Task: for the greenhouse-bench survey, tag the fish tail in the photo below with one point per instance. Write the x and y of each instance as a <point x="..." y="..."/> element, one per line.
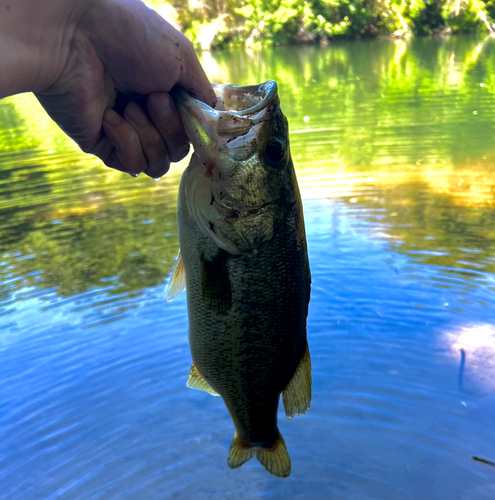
<point x="239" y="454"/>
<point x="275" y="459"/>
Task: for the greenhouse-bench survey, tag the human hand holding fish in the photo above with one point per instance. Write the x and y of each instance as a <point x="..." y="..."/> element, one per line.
<point x="88" y="60"/>
<point x="243" y="261"/>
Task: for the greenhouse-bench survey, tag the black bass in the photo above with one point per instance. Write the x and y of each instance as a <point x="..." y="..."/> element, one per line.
<point x="243" y="260"/>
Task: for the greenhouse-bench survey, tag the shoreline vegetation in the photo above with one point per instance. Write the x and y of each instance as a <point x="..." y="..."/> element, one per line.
<point x="400" y="132"/>
<point x="217" y="24"/>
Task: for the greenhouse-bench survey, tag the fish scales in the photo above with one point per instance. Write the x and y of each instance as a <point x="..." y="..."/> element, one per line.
<point x="247" y="277"/>
<point x="261" y="333"/>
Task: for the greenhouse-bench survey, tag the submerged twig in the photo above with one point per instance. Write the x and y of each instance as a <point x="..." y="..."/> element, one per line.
<point x="484" y="460"/>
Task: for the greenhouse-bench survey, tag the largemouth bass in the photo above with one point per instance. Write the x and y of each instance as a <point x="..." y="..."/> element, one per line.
<point x="243" y="260"/>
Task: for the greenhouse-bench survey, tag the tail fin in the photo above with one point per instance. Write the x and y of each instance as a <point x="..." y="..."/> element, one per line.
<point x="239" y="454"/>
<point x="275" y="460"/>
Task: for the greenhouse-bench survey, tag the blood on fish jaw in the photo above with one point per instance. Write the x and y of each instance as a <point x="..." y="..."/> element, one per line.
<point x="209" y="168"/>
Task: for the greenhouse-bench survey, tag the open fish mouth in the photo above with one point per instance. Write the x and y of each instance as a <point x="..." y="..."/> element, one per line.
<point x="247" y="100"/>
<point x="232" y="177"/>
<point x="233" y="126"/>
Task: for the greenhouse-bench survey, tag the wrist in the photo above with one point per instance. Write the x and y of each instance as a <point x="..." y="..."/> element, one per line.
<point x="34" y="42"/>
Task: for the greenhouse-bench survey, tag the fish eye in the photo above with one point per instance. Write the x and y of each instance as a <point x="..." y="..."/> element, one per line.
<point x="274" y="152"/>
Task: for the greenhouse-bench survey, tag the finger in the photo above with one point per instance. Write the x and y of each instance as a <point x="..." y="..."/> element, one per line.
<point x="167" y="120"/>
<point x="152" y="143"/>
<point x="193" y="77"/>
<point x="106" y="152"/>
<point x="125" y="141"/>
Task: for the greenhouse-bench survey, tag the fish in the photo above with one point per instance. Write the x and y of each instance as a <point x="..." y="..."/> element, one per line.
<point x="243" y="261"/>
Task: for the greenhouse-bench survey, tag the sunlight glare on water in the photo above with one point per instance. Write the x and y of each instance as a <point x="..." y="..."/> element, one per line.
<point x="394" y="152"/>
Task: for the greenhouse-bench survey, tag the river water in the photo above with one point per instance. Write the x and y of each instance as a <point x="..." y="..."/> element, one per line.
<point x="394" y="147"/>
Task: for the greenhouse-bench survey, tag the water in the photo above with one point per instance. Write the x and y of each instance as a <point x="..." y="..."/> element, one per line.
<point x="394" y="148"/>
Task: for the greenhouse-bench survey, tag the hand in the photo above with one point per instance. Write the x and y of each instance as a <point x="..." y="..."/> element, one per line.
<point x="115" y="49"/>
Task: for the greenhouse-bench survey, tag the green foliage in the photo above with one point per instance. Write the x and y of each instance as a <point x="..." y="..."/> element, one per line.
<point x="13" y="137"/>
<point x="465" y="18"/>
<point x="426" y="17"/>
<point x="218" y="23"/>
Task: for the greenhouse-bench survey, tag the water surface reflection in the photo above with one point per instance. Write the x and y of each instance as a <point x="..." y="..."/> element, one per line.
<point x="393" y="143"/>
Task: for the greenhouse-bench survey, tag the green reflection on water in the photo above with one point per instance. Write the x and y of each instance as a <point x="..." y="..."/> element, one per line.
<point x="404" y="126"/>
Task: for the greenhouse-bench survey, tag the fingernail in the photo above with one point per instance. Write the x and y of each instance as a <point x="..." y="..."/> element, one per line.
<point x="110" y="117"/>
<point x="133" y="111"/>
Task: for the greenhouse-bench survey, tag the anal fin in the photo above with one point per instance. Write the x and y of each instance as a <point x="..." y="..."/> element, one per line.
<point x="297" y="395"/>
<point x="177" y="281"/>
<point x="196" y="381"/>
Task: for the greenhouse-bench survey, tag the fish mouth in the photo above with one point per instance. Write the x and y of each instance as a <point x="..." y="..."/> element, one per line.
<point x="247" y="100"/>
<point x="223" y="138"/>
<point x="233" y="126"/>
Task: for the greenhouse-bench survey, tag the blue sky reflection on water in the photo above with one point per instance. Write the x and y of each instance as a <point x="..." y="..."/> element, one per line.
<point x="93" y="402"/>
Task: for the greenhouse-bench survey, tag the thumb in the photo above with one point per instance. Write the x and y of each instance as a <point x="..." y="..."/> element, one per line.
<point x="193" y="77"/>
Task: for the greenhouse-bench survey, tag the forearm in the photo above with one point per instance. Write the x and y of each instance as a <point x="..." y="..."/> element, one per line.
<point x="33" y="42"/>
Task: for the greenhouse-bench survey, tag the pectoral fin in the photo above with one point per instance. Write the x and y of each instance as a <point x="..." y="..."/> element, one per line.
<point x="177" y="281"/>
<point x="215" y="284"/>
<point x="198" y="198"/>
<point x="196" y="381"/>
<point x="297" y="395"/>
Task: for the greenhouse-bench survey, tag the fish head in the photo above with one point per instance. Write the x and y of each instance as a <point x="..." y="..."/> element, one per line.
<point x="241" y="163"/>
<point x="242" y="144"/>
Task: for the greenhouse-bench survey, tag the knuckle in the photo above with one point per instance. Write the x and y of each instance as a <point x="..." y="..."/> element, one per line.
<point x="132" y="138"/>
<point x="187" y="46"/>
